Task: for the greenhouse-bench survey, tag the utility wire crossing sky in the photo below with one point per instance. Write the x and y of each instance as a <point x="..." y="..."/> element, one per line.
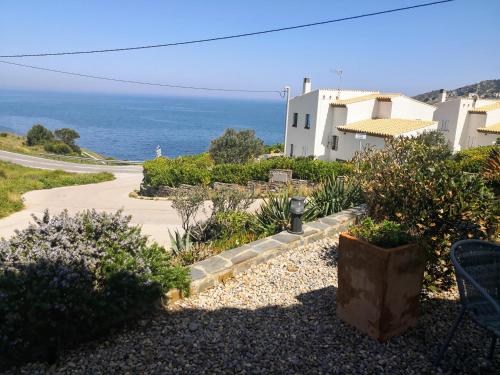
<point x="280" y="92"/>
<point x="231" y="36"/>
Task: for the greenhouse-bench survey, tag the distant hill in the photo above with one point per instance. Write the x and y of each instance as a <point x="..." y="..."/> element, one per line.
<point x="489" y="89"/>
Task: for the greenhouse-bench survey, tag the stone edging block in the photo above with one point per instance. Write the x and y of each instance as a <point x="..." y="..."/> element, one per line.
<point x="219" y="268"/>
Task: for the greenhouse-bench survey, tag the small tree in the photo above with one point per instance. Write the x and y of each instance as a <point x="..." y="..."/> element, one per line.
<point x="68" y="136"/>
<point x="38" y="135"/>
<point x="236" y="147"/>
<point x="189" y="202"/>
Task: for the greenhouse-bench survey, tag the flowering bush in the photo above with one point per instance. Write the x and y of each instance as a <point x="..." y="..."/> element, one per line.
<point x="66" y="279"/>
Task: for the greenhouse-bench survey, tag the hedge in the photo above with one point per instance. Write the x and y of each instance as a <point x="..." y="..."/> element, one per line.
<point x="473" y="160"/>
<point x="190" y="170"/>
<point x="201" y="171"/>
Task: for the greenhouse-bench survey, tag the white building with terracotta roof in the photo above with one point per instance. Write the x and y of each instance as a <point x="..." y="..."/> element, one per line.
<point x="332" y="124"/>
<point x="468" y="122"/>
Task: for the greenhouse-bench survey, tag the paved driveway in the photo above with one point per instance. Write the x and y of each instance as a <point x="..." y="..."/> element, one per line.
<point x="155" y="217"/>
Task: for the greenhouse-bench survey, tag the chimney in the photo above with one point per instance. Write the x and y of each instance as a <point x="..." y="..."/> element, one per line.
<point x="442" y="95"/>
<point x="307" y="86"/>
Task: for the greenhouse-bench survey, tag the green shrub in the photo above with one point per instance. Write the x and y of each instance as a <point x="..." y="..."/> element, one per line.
<point x="4" y="135"/>
<point x="57" y="147"/>
<point x="413" y="183"/>
<point x="386" y="234"/>
<point x="228" y="209"/>
<point x="199" y="170"/>
<point x="473" y="160"/>
<point x="231" y="173"/>
<point x="68" y="136"/>
<point x="68" y="279"/>
<point x="274" y="148"/>
<point x="38" y="135"/>
<point x="333" y="195"/>
<point x="236" y="147"/>
<point x="234" y="222"/>
<point x="174" y="172"/>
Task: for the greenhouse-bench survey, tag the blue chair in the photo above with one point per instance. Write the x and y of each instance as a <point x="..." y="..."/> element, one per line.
<point x="477" y="269"/>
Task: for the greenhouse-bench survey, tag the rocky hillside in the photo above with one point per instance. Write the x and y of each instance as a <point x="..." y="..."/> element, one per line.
<point x="485" y="89"/>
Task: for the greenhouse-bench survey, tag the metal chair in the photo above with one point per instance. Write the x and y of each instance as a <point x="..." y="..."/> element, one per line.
<point x="477" y="269"/>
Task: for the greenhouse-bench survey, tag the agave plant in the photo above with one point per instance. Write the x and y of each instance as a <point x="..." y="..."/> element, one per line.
<point x="334" y="195"/>
<point x="274" y="214"/>
<point x="179" y="243"/>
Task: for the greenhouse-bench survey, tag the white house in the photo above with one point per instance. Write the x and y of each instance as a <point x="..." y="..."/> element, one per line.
<point x="468" y="122"/>
<point x="332" y="124"/>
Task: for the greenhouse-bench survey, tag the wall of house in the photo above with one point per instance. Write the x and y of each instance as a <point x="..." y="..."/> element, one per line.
<point x="360" y="111"/>
<point x="493" y="117"/>
<point x="315" y="141"/>
<point x="349" y="145"/>
<point x="303" y="139"/>
<point x="407" y="108"/>
<point x="460" y="127"/>
<point x="486" y="139"/>
<point x="469" y="137"/>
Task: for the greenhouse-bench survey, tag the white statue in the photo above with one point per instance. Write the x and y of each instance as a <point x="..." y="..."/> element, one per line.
<point x="158" y="151"/>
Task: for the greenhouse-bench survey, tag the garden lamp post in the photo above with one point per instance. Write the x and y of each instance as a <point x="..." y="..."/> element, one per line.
<point x="296" y="210"/>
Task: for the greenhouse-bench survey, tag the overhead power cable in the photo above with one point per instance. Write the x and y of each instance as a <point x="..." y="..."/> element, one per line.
<point x="141" y="82"/>
<point x="205" y="40"/>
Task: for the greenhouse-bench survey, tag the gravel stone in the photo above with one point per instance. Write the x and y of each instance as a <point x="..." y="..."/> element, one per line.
<point x="277" y="318"/>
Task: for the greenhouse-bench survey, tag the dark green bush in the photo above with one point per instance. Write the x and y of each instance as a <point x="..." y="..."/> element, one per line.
<point x="68" y="279"/>
<point x="68" y="136"/>
<point x="4" y="135"/>
<point x="57" y="147"/>
<point x="386" y="234"/>
<point x="174" y="172"/>
<point x="231" y="173"/>
<point x="236" y="147"/>
<point x="38" y="135"/>
<point x="416" y="185"/>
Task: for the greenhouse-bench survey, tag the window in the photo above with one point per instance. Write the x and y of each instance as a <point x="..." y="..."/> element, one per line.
<point x="335" y="142"/>
<point x="443" y="125"/>
<point x="308" y="121"/>
<point x="295" y="119"/>
<point x="291" y="149"/>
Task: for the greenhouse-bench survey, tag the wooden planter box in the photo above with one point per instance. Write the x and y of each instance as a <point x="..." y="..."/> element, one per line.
<point x="379" y="289"/>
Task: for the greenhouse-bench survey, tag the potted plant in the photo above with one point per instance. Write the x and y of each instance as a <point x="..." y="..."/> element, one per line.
<point x="380" y="273"/>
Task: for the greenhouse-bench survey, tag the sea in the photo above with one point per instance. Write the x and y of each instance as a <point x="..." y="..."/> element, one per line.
<point x="131" y="127"/>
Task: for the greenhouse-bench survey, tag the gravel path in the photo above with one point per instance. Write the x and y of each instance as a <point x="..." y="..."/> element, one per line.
<point x="278" y="317"/>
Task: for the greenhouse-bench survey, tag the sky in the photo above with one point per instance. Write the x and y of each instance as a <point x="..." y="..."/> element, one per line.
<point x="443" y="46"/>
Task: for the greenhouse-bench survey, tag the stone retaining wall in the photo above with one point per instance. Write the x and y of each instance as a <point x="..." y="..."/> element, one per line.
<point x="216" y="269"/>
<point x="261" y="187"/>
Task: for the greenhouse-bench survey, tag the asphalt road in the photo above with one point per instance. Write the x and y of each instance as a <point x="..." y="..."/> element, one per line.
<point x="155" y="217"/>
<point x="41" y="163"/>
